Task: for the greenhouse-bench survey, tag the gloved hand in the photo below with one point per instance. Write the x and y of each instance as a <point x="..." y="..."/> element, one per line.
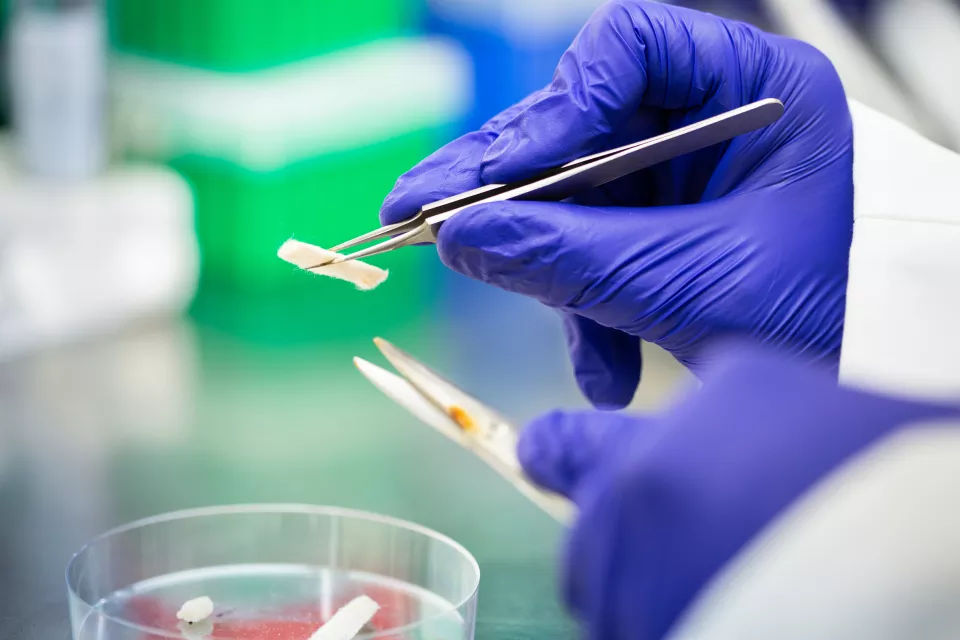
<point x="745" y="238"/>
<point x="665" y="502"/>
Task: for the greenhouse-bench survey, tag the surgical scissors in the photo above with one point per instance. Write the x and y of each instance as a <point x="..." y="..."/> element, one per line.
<point x="460" y="417"/>
<point x="571" y="178"/>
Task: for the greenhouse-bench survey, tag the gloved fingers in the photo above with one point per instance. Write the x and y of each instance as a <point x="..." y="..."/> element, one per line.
<point x="451" y="170"/>
<point x="665" y="512"/>
<point x="592" y="579"/>
<point x="631" y="55"/>
<point x="607" y="362"/>
<point x="530" y="248"/>
<point x="586" y="259"/>
<point x="559" y="450"/>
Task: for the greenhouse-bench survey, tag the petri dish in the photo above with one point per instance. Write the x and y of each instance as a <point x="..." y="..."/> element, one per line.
<point x="274" y="572"/>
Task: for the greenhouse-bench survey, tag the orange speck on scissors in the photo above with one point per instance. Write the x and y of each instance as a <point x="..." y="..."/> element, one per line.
<point x="462" y="418"/>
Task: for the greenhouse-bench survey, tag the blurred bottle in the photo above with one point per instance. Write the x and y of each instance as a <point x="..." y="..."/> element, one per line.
<point x="57" y="79"/>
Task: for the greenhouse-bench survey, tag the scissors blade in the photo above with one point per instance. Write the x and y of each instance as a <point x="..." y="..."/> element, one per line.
<point x="471" y="414"/>
<point x="410" y="398"/>
<point x="482" y="430"/>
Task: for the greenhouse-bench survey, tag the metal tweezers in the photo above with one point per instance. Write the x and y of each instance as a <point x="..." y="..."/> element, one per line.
<point x="572" y="178"/>
<point x="462" y="418"/>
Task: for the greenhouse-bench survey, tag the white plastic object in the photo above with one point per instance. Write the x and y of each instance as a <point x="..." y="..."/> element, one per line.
<point x="58" y="77"/>
<point x="85" y="259"/>
<point x="349" y="620"/>
<point x="267" y="120"/>
<point x="196" y="610"/>
<point x="307" y="256"/>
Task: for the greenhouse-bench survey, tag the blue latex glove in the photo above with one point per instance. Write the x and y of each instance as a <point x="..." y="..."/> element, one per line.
<point x="665" y="502"/>
<point x="745" y="238"/>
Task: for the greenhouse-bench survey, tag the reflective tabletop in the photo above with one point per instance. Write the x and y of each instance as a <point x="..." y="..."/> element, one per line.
<point x="169" y="416"/>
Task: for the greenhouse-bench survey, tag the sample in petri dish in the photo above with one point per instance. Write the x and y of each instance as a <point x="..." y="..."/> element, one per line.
<point x="273" y="572"/>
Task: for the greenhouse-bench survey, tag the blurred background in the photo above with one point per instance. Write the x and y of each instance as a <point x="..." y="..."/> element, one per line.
<point x="154" y="352"/>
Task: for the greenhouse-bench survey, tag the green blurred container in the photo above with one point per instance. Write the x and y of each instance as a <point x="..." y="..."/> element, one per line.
<point x="244" y="216"/>
<point x="306" y="151"/>
<point x="248" y="35"/>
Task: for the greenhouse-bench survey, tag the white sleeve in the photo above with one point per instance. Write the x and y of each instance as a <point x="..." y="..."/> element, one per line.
<point x="870" y="553"/>
<point x="902" y="329"/>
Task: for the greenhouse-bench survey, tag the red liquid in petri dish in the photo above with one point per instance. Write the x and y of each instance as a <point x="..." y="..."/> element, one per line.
<point x="296" y="622"/>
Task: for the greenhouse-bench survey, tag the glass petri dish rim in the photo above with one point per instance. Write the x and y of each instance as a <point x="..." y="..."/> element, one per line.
<point x="290" y="508"/>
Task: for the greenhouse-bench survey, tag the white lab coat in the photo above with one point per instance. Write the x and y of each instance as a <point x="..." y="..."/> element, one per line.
<point x="873" y="551"/>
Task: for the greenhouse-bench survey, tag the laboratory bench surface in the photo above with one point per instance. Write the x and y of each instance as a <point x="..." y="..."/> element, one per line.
<point x="168" y="417"/>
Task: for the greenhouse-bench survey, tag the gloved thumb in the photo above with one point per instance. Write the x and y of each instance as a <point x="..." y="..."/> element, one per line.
<point x="607" y="362"/>
<point x="584" y="259"/>
<point x="559" y="450"/>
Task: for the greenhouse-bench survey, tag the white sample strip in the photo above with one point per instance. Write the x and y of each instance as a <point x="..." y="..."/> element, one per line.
<point x="307" y="256"/>
<point x="348" y="621"/>
<point x="195" y="610"/>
